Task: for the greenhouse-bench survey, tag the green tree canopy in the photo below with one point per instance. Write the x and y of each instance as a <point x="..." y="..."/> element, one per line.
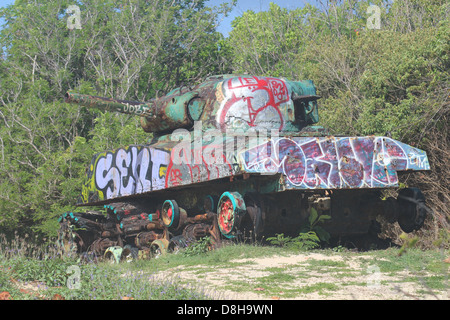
<point x="134" y="49"/>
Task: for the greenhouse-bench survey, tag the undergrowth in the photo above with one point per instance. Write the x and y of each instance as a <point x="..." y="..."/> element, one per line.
<point x="40" y="273"/>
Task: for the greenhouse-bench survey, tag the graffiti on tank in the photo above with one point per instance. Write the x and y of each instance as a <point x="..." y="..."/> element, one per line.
<point x="305" y="162"/>
<point x="329" y="162"/>
<point x="131" y="170"/>
<point x="253" y="102"/>
<point x="211" y="166"/>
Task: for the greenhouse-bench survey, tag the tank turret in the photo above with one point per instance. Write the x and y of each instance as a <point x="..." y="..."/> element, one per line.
<point x="225" y="102"/>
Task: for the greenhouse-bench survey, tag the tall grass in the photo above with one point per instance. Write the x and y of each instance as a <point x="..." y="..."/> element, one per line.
<point x="29" y="271"/>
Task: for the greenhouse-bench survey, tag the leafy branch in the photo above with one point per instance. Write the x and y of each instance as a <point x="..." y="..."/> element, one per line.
<point x="310" y="236"/>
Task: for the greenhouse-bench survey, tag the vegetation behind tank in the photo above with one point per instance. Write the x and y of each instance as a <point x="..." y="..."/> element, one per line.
<point x="371" y="82"/>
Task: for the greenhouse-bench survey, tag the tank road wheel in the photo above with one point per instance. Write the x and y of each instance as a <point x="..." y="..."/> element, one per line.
<point x="159" y="247"/>
<point x="170" y="213"/>
<point x="230" y="209"/>
<point x="129" y="254"/>
<point x="176" y="244"/>
<point x="412" y="209"/>
<point x="210" y="203"/>
<point x="113" y="254"/>
<point x="253" y="222"/>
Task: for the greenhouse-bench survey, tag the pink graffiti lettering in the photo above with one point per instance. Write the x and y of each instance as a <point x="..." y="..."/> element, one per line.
<point x="330" y="162"/>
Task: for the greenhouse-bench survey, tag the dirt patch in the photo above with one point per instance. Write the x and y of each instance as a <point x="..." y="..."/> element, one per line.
<point x="305" y="276"/>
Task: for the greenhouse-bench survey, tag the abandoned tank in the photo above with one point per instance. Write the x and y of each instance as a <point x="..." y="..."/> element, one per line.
<point x="236" y="156"/>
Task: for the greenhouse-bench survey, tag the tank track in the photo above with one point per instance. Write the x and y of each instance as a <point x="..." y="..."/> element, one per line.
<point x="123" y="231"/>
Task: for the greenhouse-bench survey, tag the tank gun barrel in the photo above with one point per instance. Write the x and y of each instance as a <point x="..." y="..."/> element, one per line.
<point x="158" y="115"/>
<point x="110" y="105"/>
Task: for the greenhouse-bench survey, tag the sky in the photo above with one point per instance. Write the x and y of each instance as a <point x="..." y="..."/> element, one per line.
<point x="241" y="7"/>
<point x="255" y="5"/>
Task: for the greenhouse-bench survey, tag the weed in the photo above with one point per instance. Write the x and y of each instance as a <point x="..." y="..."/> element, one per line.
<point x="309" y="237"/>
<point x="198" y="247"/>
<point x="22" y="263"/>
<point x="141" y="279"/>
<point x="320" y="287"/>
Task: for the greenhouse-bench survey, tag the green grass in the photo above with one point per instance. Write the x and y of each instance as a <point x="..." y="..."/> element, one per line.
<point x="276" y="277"/>
<point x="137" y="279"/>
<point x="108" y="281"/>
<point x="215" y="258"/>
<point x="97" y="282"/>
<point x="44" y="273"/>
<point x="322" y="288"/>
<point x="414" y="260"/>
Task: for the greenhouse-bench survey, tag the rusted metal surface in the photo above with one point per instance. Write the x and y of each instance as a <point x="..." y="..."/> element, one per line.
<point x="235" y="156"/>
<point x="226" y="110"/>
<point x="130" y="223"/>
<point x="305" y="163"/>
<point x="225" y="102"/>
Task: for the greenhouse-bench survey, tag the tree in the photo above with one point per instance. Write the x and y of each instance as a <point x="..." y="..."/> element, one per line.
<point x="372" y="81"/>
<point x="133" y="49"/>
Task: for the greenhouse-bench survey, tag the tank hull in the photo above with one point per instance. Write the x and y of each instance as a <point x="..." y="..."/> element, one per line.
<point x="236" y="157"/>
<point x="297" y="163"/>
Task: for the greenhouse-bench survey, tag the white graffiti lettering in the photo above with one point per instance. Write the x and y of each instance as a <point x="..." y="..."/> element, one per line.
<point x="132" y="170"/>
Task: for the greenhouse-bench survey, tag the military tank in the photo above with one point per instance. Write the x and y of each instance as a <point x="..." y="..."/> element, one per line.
<point x="235" y="157"/>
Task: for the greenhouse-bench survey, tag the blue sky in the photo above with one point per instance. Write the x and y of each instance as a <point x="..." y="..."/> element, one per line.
<point x="255" y="5"/>
<point x="242" y="6"/>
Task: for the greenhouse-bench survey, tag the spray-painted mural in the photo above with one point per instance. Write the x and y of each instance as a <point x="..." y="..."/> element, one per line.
<point x="306" y="163"/>
<point x="263" y="141"/>
<point x="205" y="163"/>
<point x="331" y="162"/>
<point x="126" y="171"/>
<point x="254" y="102"/>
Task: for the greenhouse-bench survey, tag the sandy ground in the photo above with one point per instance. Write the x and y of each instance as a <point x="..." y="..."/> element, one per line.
<point x="351" y="279"/>
<point x="310" y="276"/>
